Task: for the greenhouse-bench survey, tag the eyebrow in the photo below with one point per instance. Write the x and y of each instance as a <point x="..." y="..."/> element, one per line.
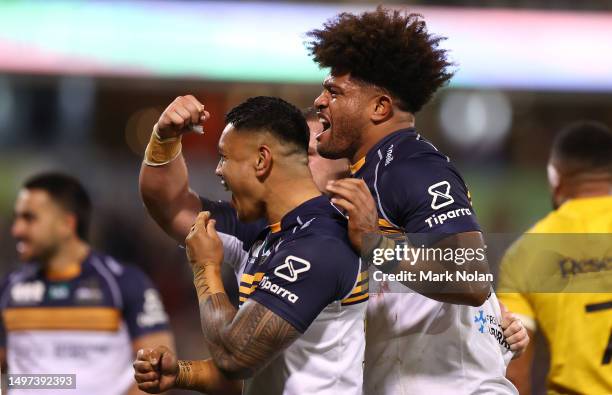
<point x="328" y="85"/>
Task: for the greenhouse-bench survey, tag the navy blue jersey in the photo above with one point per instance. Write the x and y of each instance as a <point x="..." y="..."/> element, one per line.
<point x="416" y="188"/>
<point x="298" y="267"/>
<point x="84" y="325"/>
<point x="103" y="296"/>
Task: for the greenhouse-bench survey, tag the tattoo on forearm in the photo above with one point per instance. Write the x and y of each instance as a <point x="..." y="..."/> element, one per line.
<point x="254" y="337"/>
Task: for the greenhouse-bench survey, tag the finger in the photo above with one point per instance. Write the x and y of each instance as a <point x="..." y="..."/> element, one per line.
<point x="154" y="356"/>
<point x="150" y="386"/>
<point x="143" y="366"/>
<point x="344" y="204"/>
<point x="519" y="346"/>
<point x="210" y="229"/>
<point x="355" y="182"/>
<point x="348" y="195"/>
<point x="202" y="220"/>
<point x="175" y="119"/>
<point x="143" y="354"/>
<point x="507" y="319"/>
<point x="143" y="377"/>
<point x="183" y="112"/>
<point x="514" y="327"/>
<point x="357" y="187"/>
<point x="191" y="99"/>
<point x="205" y="116"/>
<point x="514" y="339"/>
<point x="194" y="110"/>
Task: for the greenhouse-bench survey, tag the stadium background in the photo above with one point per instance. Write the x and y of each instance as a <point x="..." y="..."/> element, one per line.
<point x="81" y="84"/>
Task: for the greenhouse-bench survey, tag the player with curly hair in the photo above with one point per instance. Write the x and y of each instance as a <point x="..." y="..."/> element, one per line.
<point x="385" y="66"/>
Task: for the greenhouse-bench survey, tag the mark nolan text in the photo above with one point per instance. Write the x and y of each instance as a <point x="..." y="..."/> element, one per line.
<point x="429" y="275"/>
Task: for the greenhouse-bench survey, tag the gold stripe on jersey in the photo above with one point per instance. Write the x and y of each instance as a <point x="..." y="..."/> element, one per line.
<point x="360" y="291"/>
<point x="248" y="284"/>
<point x="354" y="168"/>
<point x="62" y="318"/>
<point x="387" y="227"/>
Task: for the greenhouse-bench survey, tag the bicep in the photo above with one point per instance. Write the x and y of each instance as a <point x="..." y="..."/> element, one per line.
<point x="184" y="216"/>
<point x="255" y="336"/>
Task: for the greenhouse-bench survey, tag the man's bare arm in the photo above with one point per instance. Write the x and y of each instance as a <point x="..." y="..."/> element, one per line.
<point x="164" y="181"/>
<point x="519" y="369"/>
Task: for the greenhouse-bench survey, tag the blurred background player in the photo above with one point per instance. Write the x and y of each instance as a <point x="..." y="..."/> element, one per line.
<point x="577" y="321"/>
<point x="385" y="66"/>
<point x="69" y="309"/>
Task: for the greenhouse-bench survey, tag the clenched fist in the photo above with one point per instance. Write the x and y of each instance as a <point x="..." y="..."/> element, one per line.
<point x="183" y="115"/>
<point x="203" y="243"/>
<point x="155" y="370"/>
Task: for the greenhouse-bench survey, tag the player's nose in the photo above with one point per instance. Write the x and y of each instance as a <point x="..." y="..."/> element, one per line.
<point x="18" y="229"/>
<point x="321" y="101"/>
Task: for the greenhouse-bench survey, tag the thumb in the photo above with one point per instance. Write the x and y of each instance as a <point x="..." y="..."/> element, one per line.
<point x="155" y="355"/>
<point x="210" y="229"/>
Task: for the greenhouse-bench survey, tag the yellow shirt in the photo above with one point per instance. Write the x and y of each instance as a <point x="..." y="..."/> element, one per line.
<point x="559" y="275"/>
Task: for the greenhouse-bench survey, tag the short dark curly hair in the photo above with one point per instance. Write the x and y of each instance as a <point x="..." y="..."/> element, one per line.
<point x="586" y="145"/>
<point x="69" y="193"/>
<point x="387" y="48"/>
<point x="284" y="120"/>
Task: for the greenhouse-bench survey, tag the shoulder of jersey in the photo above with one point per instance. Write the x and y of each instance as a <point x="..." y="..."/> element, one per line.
<point x="107" y="264"/>
<point x="406" y="148"/>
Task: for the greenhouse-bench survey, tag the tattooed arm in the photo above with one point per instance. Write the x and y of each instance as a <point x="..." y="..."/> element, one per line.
<point x="240" y="342"/>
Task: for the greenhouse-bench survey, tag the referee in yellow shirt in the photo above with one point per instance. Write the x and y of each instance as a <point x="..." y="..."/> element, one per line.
<point x="560" y="284"/>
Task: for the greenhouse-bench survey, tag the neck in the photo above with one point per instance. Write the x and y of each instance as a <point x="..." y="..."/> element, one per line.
<point x="69" y="255"/>
<point x="376" y="133"/>
<point x="288" y="192"/>
<point x="592" y="189"/>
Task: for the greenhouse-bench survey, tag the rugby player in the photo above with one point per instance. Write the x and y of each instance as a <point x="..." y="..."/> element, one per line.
<point x="300" y="324"/>
<point x="577" y="322"/>
<point x="385" y="67"/>
<point x="69" y="309"/>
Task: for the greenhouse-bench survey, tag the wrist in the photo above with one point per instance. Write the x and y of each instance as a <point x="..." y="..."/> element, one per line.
<point x="184" y="377"/>
<point x="162" y="150"/>
<point x="207" y="279"/>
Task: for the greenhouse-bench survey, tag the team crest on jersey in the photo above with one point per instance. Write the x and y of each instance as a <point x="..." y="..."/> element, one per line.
<point x="292" y="267"/>
<point x="440" y="193"/>
<point x="30" y="292"/>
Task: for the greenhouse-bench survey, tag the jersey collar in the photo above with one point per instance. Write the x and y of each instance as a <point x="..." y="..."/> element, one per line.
<point x="302" y="213"/>
<point x="372" y="154"/>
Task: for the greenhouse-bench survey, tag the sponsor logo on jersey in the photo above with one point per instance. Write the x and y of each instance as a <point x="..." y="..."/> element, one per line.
<point x="440" y="193"/>
<point x="488" y="324"/>
<point x="88" y="295"/>
<point x="292" y="267"/>
<point x="30" y="292"/>
<point x="266" y="284"/>
<point x="389" y="156"/>
<point x="59" y="291"/>
<point x="152" y="310"/>
<point x="439" y="219"/>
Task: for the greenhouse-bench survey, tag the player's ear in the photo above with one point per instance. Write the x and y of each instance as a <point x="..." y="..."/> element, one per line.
<point x="263" y="164"/>
<point x="382" y="108"/>
<point x="68" y="225"/>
